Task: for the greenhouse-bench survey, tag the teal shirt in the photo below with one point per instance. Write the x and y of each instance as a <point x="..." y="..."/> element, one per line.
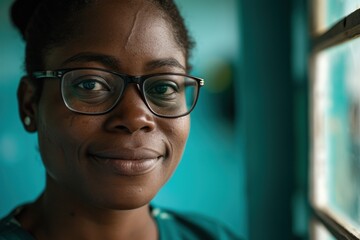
<point x="171" y="226"/>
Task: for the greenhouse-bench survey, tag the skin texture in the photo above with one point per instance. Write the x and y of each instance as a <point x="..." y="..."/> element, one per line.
<point x="85" y="198"/>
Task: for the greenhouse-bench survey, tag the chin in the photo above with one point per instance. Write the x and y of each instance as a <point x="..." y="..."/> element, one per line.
<point x="121" y="205"/>
<point x="128" y="200"/>
<point x="127" y="206"/>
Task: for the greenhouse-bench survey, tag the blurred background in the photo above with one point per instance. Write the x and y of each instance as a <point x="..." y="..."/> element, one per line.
<point x="246" y="157"/>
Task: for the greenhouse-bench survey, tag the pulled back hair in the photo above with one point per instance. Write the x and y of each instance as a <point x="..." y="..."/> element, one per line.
<point x="45" y="24"/>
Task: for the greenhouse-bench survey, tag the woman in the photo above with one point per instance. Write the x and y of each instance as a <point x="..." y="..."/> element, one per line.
<point x="108" y="93"/>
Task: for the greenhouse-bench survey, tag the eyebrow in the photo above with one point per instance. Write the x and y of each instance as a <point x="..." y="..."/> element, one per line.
<point x="165" y="62"/>
<point x="106" y="60"/>
<point x="114" y="63"/>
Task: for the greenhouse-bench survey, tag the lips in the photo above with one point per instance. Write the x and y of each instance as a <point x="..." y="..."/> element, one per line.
<point x="127" y="162"/>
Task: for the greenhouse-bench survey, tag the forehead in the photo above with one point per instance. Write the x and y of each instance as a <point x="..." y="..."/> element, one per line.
<point x="135" y="29"/>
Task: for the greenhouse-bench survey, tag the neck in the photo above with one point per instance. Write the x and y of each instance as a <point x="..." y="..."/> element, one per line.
<point x="58" y="214"/>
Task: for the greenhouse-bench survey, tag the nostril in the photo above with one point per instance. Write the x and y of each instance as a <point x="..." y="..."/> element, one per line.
<point x="130" y="129"/>
<point x="123" y="128"/>
<point x="129" y="122"/>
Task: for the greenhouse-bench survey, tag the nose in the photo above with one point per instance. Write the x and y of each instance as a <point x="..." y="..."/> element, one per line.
<point x="130" y="114"/>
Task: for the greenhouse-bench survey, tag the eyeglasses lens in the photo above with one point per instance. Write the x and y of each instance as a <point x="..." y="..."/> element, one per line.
<point x="170" y="95"/>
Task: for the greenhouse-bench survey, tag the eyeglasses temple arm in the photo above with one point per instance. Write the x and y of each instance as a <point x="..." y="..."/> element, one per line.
<point x="46" y="74"/>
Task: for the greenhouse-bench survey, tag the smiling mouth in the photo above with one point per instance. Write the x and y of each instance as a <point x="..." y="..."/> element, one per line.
<point x="127" y="167"/>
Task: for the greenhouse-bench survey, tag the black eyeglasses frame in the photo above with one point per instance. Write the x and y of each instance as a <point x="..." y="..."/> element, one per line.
<point x="138" y="80"/>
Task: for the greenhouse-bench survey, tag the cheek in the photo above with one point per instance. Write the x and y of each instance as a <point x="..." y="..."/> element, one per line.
<point x="56" y="147"/>
<point x="62" y="146"/>
<point x="184" y="129"/>
<point x="178" y="133"/>
<point x="60" y="133"/>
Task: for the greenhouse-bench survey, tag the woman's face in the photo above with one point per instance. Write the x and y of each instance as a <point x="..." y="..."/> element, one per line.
<point x="117" y="160"/>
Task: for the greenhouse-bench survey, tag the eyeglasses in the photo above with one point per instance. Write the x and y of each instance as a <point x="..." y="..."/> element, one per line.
<point x="97" y="91"/>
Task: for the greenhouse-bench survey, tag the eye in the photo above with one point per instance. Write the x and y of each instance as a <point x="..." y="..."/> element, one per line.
<point x="162" y="88"/>
<point x="92" y="83"/>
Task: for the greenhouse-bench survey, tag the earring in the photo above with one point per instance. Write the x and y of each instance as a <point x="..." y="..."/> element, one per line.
<point x="27" y="121"/>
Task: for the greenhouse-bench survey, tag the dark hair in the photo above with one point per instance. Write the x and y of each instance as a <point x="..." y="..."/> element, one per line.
<point x="48" y="23"/>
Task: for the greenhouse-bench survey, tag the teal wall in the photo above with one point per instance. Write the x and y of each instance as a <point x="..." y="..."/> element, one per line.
<point x="267" y="110"/>
<point x="211" y="177"/>
<point x="273" y="109"/>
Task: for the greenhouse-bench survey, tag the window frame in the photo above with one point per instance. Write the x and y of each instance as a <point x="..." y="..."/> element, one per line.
<point x="345" y="30"/>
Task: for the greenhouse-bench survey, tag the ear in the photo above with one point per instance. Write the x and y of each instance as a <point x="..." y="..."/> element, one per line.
<point x="27" y="102"/>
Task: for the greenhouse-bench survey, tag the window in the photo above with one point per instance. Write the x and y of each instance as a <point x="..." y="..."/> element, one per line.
<point x="329" y="12"/>
<point x="335" y="110"/>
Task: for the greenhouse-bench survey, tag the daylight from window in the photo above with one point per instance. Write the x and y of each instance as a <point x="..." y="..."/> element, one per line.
<point x="338" y="123"/>
<point x="332" y="11"/>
